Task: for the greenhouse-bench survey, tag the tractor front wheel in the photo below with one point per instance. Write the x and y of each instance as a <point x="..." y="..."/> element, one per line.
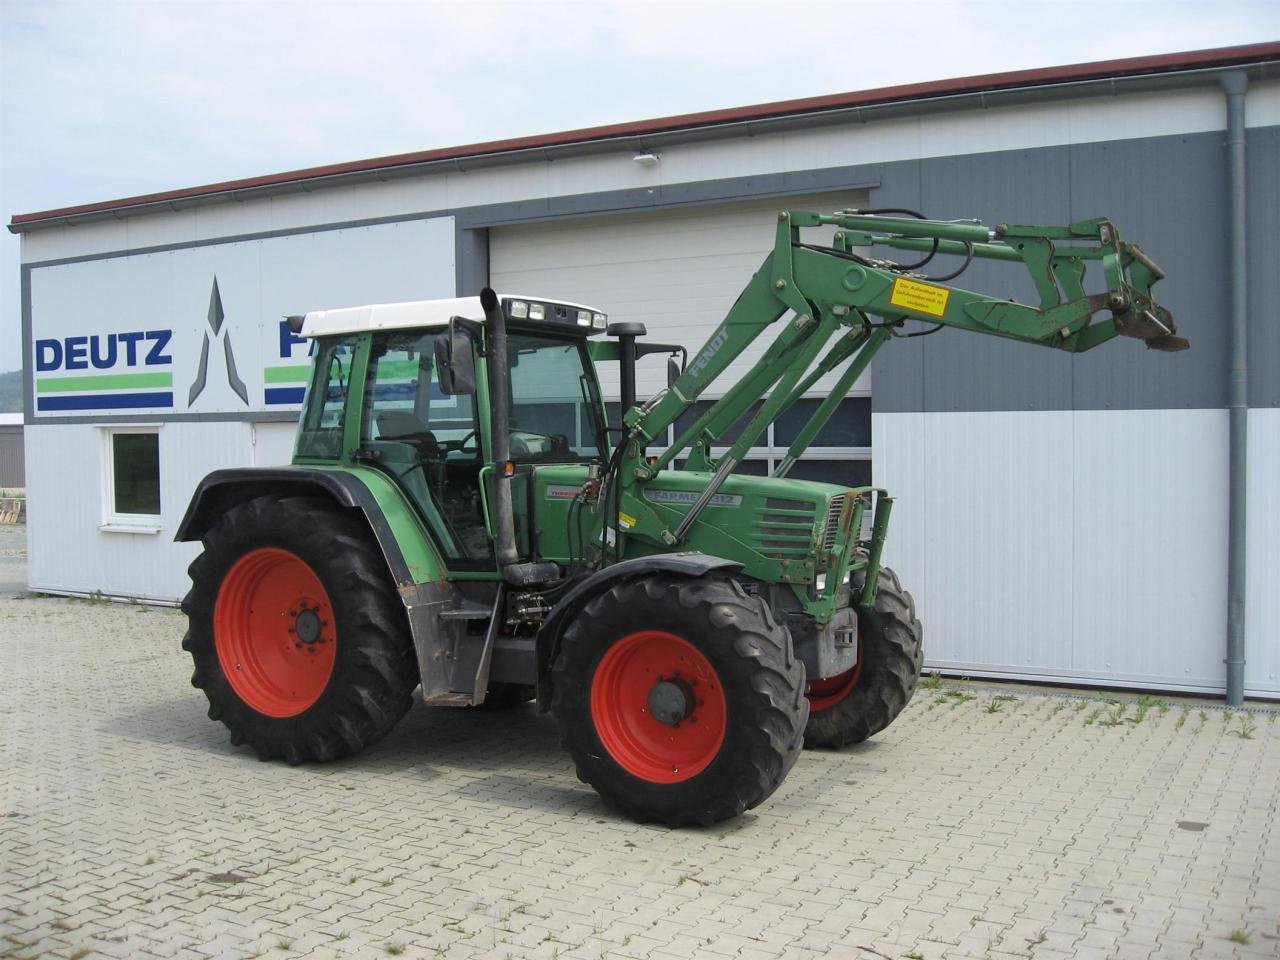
<point x="299" y="641"/>
<point x="679" y="699"/>
<point x="851" y="707"/>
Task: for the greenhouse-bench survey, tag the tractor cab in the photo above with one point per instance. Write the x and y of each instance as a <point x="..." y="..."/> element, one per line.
<point x="403" y="388"/>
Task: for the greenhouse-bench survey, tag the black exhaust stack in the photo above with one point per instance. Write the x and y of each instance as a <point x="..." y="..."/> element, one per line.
<point x="504" y="520"/>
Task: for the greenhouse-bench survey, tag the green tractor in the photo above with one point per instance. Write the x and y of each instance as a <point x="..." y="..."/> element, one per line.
<point x="461" y="517"/>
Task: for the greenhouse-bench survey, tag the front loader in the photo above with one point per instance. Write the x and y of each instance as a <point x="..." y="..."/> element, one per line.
<point x="459" y="516"/>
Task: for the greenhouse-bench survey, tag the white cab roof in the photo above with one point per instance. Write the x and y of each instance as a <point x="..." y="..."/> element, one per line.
<point x="412" y="314"/>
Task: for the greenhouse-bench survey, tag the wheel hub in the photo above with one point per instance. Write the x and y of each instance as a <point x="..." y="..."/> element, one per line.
<point x="671" y="701"/>
<point x="307" y="625"/>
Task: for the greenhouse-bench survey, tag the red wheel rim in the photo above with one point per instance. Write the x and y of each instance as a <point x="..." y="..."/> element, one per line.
<point x="274" y="632"/>
<point x="825" y="693"/>
<point x="641" y="744"/>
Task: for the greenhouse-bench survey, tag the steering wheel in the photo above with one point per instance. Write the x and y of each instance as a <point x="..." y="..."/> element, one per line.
<point x="459" y="445"/>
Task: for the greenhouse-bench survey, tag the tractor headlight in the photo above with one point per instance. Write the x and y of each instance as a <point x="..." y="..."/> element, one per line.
<point x="537" y="311"/>
<point x="584" y="318"/>
<point x="820" y="584"/>
<point x="599" y="321"/>
<point x="519" y="309"/>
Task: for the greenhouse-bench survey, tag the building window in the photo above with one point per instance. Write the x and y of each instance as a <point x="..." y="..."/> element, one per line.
<point x="132" y="479"/>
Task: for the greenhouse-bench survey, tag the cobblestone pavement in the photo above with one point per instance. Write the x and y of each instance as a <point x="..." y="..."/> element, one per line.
<point x="976" y="826"/>
<point x="13" y="554"/>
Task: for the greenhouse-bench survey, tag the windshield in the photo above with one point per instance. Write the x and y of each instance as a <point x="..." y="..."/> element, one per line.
<point x="555" y="402"/>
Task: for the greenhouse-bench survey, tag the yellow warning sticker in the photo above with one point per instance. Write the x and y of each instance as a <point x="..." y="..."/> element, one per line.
<point x="920" y="297"/>
<point x="626" y="521"/>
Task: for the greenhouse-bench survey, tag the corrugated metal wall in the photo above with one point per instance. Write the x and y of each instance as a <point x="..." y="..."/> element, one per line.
<point x="12" y="457"/>
<point x="1065" y="544"/>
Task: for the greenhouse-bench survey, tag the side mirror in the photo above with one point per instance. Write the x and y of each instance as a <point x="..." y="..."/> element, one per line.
<point x="455" y="362"/>
<point x="673" y="371"/>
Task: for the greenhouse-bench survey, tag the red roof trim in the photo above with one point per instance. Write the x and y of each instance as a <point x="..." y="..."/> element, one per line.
<point x="1133" y="66"/>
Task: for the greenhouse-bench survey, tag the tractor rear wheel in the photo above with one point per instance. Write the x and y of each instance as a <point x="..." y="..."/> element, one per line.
<point x="679" y="699"/>
<point x="862" y="702"/>
<point x="299" y="641"/>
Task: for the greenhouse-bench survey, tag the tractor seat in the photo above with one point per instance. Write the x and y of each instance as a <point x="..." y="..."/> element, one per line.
<point x="403" y="425"/>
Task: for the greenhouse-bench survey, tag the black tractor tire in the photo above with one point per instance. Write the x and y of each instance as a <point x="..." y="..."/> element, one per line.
<point x="251" y="590"/>
<point x="891" y="656"/>
<point x="740" y="680"/>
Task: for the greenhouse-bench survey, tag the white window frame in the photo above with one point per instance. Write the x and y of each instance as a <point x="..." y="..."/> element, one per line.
<point x="113" y="522"/>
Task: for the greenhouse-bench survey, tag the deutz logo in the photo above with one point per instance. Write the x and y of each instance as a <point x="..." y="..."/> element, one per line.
<point x="216" y="316"/>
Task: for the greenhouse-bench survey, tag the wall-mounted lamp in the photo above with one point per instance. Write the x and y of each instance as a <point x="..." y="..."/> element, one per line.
<point x="647" y="159"/>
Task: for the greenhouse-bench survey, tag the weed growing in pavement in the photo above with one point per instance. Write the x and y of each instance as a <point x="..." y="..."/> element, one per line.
<point x="1145" y="705"/>
<point x="1058" y="708"/>
<point x="1203" y="718"/>
<point x="931" y="682"/>
<point x="284" y="944"/>
<point x="1182" y="717"/>
<point x="1115" y="716"/>
<point x="1081" y="704"/>
<point x="1092" y="718"/>
<point x="993" y="705"/>
<point x="343" y="936"/>
<point x="1240" y="936"/>
<point x="395" y="949"/>
<point x="958" y="697"/>
<point x="1247" y="727"/>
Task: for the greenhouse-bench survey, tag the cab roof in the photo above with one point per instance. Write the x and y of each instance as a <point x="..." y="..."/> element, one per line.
<point x="437" y="313"/>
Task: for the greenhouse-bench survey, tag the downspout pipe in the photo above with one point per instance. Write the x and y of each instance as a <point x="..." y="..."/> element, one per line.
<point x="1235" y="84"/>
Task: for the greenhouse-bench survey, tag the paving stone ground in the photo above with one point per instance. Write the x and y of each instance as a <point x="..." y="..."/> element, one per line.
<point x="1048" y="825"/>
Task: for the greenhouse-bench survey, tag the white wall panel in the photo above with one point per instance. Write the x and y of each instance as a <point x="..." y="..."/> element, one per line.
<point x="96" y="303"/>
<point x="70" y="553"/>
<point x="1079" y="120"/>
<point x="1064" y="545"/>
<point x="1262" y="612"/>
<point x="677" y="271"/>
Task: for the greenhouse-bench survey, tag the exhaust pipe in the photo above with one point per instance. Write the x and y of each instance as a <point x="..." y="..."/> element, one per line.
<point x="500" y="418"/>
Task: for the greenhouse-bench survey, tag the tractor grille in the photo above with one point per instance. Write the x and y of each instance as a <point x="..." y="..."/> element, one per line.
<point x="832" y="531"/>
<point x="784" y="528"/>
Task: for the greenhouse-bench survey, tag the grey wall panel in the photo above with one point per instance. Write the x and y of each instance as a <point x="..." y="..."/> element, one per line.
<point x="967" y="372"/>
<point x="1167" y="194"/>
<point x="1263" y="162"/>
<point x="12" y="460"/>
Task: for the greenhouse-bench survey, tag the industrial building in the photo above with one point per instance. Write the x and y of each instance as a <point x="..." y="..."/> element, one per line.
<point x="1058" y="517"/>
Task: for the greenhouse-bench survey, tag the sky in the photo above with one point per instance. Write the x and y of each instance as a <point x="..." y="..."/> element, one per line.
<point x="108" y="99"/>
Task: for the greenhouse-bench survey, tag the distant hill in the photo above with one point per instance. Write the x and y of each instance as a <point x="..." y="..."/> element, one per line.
<point x="11" y="392"/>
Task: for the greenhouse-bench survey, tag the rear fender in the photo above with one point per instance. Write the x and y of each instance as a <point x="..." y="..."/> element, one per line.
<point x="418" y="577"/>
<point x="685" y="564"/>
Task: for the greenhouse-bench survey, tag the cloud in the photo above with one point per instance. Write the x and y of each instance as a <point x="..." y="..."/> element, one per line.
<point x="103" y="100"/>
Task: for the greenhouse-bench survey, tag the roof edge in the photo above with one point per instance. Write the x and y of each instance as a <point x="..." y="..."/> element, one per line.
<point x="1223" y="57"/>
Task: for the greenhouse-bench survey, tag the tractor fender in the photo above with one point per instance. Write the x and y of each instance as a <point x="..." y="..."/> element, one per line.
<point x="684" y="564"/>
<point x="223" y="489"/>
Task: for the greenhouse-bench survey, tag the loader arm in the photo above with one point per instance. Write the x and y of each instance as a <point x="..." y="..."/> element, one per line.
<point x="848" y="303"/>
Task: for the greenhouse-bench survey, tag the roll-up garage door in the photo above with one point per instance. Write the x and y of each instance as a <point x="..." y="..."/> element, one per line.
<point x="678" y="272"/>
